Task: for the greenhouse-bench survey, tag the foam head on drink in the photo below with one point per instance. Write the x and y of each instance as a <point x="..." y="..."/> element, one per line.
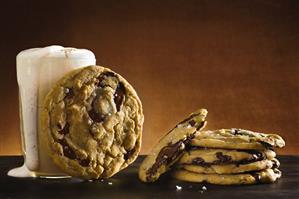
<point x="38" y="69"/>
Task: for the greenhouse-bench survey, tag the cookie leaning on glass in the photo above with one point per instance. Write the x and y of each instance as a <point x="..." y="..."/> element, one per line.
<point x="93" y="123"/>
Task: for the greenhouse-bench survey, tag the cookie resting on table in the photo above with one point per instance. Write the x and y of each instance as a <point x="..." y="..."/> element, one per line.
<point x="231" y="168"/>
<point x="237" y="139"/>
<point x="263" y="176"/>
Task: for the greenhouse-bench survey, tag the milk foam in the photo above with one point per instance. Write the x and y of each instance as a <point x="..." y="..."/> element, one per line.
<point x="38" y="69"/>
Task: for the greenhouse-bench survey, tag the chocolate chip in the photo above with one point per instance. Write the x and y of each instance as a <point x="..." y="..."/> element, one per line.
<point x="109" y="74"/>
<point x="275" y="164"/>
<point x="237" y="132"/>
<point x="104" y="75"/>
<point x="256" y="176"/>
<point x="187" y="119"/>
<point x="70" y="153"/>
<point x="223" y="158"/>
<point x="96" y="117"/>
<point x="255" y="156"/>
<point x="267" y="145"/>
<point x="93" y="114"/>
<point x="69" y="93"/>
<point x="128" y="154"/>
<point x="59" y="126"/>
<point x="276" y="171"/>
<point x="201" y="125"/>
<point x="192" y="122"/>
<point x="253" y="152"/>
<point x="200" y="162"/>
<point x="67" y="150"/>
<point x="119" y="95"/>
<point x="65" y="130"/>
<point x="84" y="162"/>
<point x="240" y="132"/>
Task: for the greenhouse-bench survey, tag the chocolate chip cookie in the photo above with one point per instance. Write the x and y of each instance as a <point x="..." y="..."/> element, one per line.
<point x="232" y="168"/>
<point x="92" y="120"/>
<point x="207" y="156"/>
<point x="237" y="139"/>
<point x="264" y="176"/>
<point x="171" y="147"/>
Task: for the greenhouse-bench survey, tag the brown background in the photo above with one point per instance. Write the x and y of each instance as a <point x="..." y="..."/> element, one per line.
<point x="239" y="59"/>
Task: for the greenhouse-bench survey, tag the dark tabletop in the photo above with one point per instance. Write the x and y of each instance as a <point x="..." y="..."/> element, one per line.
<point x="126" y="185"/>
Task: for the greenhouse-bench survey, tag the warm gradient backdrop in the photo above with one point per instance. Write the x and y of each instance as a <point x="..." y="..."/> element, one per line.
<point x="239" y="59"/>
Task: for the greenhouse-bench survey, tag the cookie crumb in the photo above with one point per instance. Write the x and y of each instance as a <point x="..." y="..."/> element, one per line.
<point x="178" y="188"/>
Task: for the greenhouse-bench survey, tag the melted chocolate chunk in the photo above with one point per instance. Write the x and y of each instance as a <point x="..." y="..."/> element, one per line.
<point x="189" y="147"/>
<point x="109" y="74"/>
<point x="96" y="117"/>
<point x="244" y="133"/>
<point x="276" y="171"/>
<point x="192" y="122"/>
<point x="119" y="95"/>
<point x="93" y="114"/>
<point x="225" y="159"/>
<point x="201" y="125"/>
<point x="84" y="162"/>
<point x="104" y="75"/>
<point x="67" y="150"/>
<point x="69" y="93"/>
<point x="252" y="152"/>
<point x="237" y="132"/>
<point x="65" y="130"/>
<point x="200" y="162"/>
<point x="59" y="126"/>
<point x="165" y="156"/>
<point x="222" y="159"/>
<point x="256" y="156"/>
<point x="267" y="145"/>
<point x="128" y="154"/>
<point x="256" y="176"/>
<point x="70" y="153"/>
<point x="275" y="164"/>
<point x="168" y="154"/>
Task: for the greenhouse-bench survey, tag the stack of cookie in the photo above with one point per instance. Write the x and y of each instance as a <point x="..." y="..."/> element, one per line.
<point x="226" y="156"/>
<point x="230" y="156"/>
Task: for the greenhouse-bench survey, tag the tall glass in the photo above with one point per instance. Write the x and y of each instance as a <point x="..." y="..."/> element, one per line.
<point x="37" y="70"/>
